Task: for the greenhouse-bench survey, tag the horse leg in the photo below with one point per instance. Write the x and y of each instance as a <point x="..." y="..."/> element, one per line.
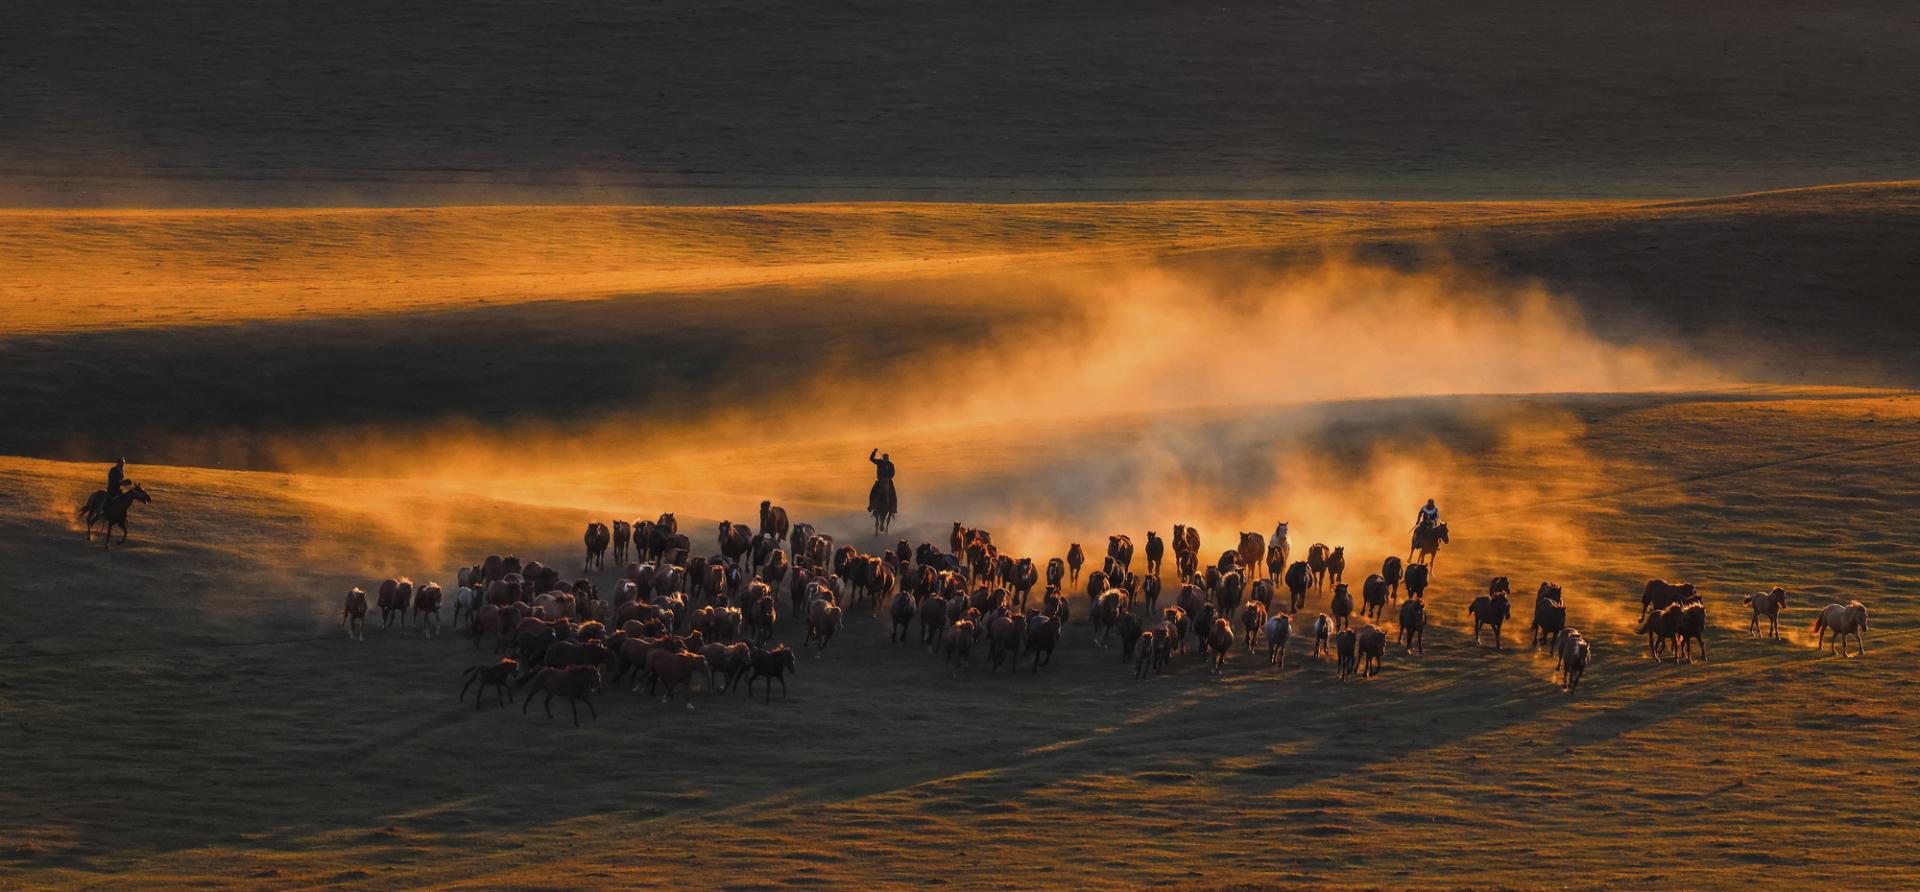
<point x="573" y="704"/>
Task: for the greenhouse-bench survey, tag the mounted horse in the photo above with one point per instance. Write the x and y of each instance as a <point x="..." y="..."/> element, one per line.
<point x="112" y="509"/>
<point x="1426" y="543"/>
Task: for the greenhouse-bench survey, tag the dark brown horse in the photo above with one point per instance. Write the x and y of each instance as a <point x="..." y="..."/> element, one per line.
<point x="597" y="538"/>
<point x="112" y="510"/>
<point x="773" y="520"/>
<point x="498" y="675"/>
<point x="1426" y="543"/>
<point x="354" y="616"/>
<point x="573" y="683"/>
<point x="1490" y="610"/>
<point x="1769" y="605"/>
<point x="735" y="540"/>
<point x="1317" y="555"/>
<point x="1549" y="617"/>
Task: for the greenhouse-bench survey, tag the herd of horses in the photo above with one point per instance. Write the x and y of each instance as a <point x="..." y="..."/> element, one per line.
<point x="673" y="617"/>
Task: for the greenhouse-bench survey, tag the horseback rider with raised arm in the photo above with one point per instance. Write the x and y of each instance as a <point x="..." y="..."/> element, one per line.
<point x="883" y="502"/>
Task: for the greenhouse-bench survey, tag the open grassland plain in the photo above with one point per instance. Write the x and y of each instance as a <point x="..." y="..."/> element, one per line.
<point x="185" y="709"/>
<point x="1717" y="391"/>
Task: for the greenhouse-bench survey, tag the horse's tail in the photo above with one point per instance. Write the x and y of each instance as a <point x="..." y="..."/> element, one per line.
<point x="1820" y="623"/>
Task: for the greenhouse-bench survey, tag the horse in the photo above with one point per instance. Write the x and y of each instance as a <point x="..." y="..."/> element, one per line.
<point x="622" y="535"/>
<point x="1373" y="596"/>
<point x="883" y="502"/>
<point x="112" y="509"/>
<point x="1156" y="552"/>
<point x="959" y="643"/>
<point x="1219" y="641"/>
<point x="1337" y="564"/>
<point x="1106" y="615"/>
<point x="498" y="676"/>
<point x="1491" y="609"/>
<point x="735" y="540"/>
<point x="1322" y="629"/>
<point x="1341" y="605"/>
<point x="1076" y="558"/>
<point x="1844" y="621"/>
<point x="427" y="604"/>
<point x="597" y="538"/>
<point x="1280" y="544"/>
<point x="1660" y="626"/>
<point x="1392" y="571"/>
<point x="1413" y="625"/>
<point x="1043" y="634"/>
<point x="354" y="617"/>
<point x="1371" y="642"/>
<point x="1659" y="593"/>
<point x="1120" y="549"/>
<point x="773" y="520"/>
<point x="573" y="683"/>
<point x="1574" y="654"/>
<point x="1299" y="579"/>
<point x="1279" y="628"/>
<point x="396" y="595"/>
<point x="1005" y="634"/>
<point x="674" y="670"/>
<point x="1345" y="646"/>
<point x="1317" y="562"/>
<point x="1692" y="630"/>
<point x="901" y="613"/>
<point x="1416" y="581"/>
<point x="1549" y="617"/>
<point x="823" y="619"/>
<point x="772" y="665"/>
<point x="1769" y="605"/>
<point x="726" y="660"/>
<point x="1253" y="551"/>
<point x="1426" y="543"/>
<point x="1253" y="617"/>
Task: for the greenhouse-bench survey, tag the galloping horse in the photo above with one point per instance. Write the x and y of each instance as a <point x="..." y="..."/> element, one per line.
<point x="1427" y="542"/>
<point x="112" y="509"/>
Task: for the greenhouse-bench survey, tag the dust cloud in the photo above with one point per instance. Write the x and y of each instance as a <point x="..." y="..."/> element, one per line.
<point x="1335" y="397"/>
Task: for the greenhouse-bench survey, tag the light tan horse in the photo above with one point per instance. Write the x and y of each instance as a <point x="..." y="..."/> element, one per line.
<point x="1769" y="605"/>
<point x="1843" y="620"/>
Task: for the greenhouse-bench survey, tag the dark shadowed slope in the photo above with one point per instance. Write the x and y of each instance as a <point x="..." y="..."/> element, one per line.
<point x="213" y="101"/>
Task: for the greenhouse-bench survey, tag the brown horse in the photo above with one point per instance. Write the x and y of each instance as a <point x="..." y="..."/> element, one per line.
<point x="1413" y="625"/>
<point x="1426" y="543"/>
<point x="735" y="540"/>
<point x="396" y="595"/>
<point x="573" y="683"/>
<point x="1490" y="610"/>
<point x="1279" y="628"/>
<point x="354" y="617"/>
<point x="426" y="606"/>
<point x="823" y="619"/>
<point x="1371" y="643"/>
<point x="1659" y="593"/>
<point x="112" y="509"/>
<point x="674" y="669"/>
<point x="1341" y="606"/>
<point x="1253" y="552"/>
<point x="772" y="665"/>
<point x="622" y="534"/>
<point x="1661" y="628"/>
<point x="597" y="538"/>
<point x="773" y="520"/>
<point x="1549" y="617"/>
<point x="498" y="676"/>
<point x="1253" y="617"/>
<point x="1317" y="555"/>
<point x="1373" y="596"/>
<point x="1346" y="648"/>
<point x="1769" y="605"/>
<point x="1219" y="641"/>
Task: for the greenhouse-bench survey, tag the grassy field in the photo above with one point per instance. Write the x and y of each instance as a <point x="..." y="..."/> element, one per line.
<point x="221" y="729"/>
<point x="1596" y="393"/>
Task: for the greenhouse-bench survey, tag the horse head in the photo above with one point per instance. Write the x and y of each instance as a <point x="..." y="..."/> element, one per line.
<point x="140" y="493"/>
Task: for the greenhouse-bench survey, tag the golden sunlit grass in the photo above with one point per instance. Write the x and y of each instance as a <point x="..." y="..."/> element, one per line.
<point x="224" y="731"/>
<point x="77" y="270"/>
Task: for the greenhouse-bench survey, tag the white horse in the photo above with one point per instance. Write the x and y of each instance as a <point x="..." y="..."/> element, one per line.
<point x="466" y="602"/>
<point x="1279" y="629"/>
<point x="1843" y="620"/>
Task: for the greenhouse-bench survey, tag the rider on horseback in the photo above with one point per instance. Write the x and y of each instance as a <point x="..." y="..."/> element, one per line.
<point x="117" y="478"/>
<point x="882" y="501"/>
<point x="1428" y="518"/>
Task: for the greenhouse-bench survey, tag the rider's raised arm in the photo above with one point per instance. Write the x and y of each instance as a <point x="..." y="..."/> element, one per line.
<point x="874" y="456"/>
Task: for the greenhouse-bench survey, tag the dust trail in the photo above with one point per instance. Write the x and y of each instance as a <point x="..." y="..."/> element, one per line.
<point x="1328" y="397"/>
